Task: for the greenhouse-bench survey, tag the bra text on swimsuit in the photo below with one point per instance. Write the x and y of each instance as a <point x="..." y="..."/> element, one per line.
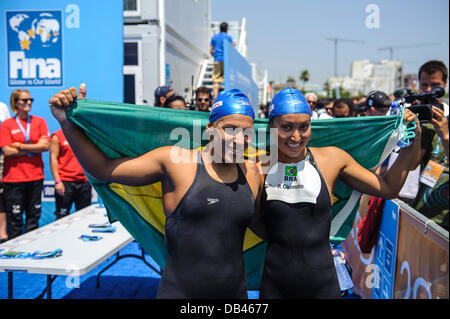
<point x="284" y="186"/>
<point x="290" y="174"/>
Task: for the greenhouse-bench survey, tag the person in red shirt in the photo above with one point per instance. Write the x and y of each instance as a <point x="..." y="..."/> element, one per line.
<point x="71" y="185"/>
<point x="4" y="115"/>
<point x="23" y="138"/>
<point x="3" y="234"/>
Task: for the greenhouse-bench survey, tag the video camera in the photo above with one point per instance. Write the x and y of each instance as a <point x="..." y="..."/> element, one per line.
<point x="425" y="101"/>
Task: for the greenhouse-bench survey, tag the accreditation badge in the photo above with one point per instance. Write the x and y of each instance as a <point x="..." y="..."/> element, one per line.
<point x="431" y="173"/>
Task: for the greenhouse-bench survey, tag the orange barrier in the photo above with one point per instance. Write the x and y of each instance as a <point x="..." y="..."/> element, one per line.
<point x="422" y="259"/>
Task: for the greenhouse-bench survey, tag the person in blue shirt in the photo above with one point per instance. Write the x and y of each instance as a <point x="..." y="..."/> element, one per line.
<point x="216" y="51"/>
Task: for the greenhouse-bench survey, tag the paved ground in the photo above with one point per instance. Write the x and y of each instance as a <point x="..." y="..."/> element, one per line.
<point x="129" y="278"/>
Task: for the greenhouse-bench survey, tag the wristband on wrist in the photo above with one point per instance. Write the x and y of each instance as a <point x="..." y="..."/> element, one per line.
<point x="58" y="181"/>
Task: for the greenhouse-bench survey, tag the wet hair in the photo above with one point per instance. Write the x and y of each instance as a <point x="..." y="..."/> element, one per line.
<point x="15" y="97"/>
<point x="223" y="27"/>
<point x="433" y="66"/>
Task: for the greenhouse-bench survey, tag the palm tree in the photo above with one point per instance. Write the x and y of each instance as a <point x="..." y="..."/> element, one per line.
<point x="290" y="81"/>
<point x="304" y="76"/>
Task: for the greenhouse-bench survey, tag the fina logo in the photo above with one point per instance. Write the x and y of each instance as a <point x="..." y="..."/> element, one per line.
<point x="34" y="47"/>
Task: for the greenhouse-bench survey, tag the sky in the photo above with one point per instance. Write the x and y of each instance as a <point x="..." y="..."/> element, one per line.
<point x="288" y="36"/>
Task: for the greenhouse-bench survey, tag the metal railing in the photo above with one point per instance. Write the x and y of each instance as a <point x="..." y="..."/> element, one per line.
<point x="427" y="223"/>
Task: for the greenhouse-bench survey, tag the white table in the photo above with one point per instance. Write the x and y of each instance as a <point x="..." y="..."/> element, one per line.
<point x="78" y="257"/>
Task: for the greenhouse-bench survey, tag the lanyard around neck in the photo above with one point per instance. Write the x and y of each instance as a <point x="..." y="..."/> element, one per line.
<point x="27" y="132"/>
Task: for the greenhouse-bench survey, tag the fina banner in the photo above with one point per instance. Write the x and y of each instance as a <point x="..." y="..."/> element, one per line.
<point x="34" y="48"/>
<point x="386" y="251"/>
<point x="50" y="45"/>
<point x="238" y="74"/>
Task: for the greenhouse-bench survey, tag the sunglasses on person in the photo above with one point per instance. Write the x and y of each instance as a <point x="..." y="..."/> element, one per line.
<point x="26" y="100"/>
<point x="203" y="99"/>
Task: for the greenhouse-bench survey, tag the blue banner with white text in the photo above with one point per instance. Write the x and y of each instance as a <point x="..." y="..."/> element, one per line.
<point x="386" y="252"/>
<point x="50" y="45"/>
<point x="238" y="74"/>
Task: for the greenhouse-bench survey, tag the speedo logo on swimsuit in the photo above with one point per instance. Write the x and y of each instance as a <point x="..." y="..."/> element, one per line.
<point x="290" y="173"/>
<point x="212" y="200"/>
<point x="16" y="209"/>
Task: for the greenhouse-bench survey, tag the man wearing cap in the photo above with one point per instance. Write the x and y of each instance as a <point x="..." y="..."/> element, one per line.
<point x="217" y="50"/>
<point x="377" y="103"/>
<point x="162" y="93"/>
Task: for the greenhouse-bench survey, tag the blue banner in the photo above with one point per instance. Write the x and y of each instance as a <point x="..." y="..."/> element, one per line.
<point x="34" y="48"/>
<point x="238" y="74"/>
<point x="49" y="45"/>
<point x="386" y="252"/>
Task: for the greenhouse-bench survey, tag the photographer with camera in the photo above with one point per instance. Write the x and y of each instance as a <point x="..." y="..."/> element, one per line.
<point x="432" y="198"/>
<point x="426" y="188"/>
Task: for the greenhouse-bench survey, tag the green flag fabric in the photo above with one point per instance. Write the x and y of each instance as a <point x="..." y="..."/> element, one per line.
<point x="122" y="130"/>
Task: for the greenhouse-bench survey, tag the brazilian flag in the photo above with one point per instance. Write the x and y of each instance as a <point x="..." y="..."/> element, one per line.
<point x="290" y="171"/>
<point x="122" y="130"/>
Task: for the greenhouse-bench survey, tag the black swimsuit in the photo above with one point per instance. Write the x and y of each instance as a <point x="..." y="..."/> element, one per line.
<point x="204" y="238"/>
<point x="298" y="260"/>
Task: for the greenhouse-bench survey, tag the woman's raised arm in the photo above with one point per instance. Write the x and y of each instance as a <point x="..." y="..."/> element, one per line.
<point x="141" y="170"/>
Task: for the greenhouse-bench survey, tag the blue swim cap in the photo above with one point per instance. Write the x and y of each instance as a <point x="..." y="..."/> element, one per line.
<point x="231" y="102"/>
<point x="289" y="101"/>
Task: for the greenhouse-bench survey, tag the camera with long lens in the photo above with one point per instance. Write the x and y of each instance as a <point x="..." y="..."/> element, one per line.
<point x="425" y="101"/>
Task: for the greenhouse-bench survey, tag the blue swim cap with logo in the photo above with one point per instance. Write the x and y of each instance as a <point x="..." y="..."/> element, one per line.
<point x="288" y="101"/>
<point x="231" y="102"/>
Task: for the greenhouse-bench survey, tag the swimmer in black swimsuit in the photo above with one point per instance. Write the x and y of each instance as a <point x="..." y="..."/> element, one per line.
<point x="204" y="238"/>
<point x="208" y="197"/>
<point x="301" y="250"/>
<point x="296" y="201"/>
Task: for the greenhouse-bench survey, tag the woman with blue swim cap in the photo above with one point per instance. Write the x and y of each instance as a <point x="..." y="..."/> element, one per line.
<point x="297" y="199"/>
<point x="209" y="196"/>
